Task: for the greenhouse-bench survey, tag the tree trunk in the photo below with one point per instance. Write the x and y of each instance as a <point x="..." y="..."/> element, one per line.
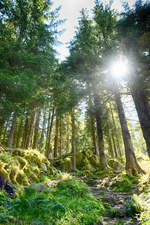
<point x="36" y="131"/>
<point x="56" y="138"/>
<point x="12" y="132"/>
<point x="43" y="129"/>
<point x="93" y="134"/>
<point x="31" y="129"/>
<point x="25" y="133"/>
<point x="68" y="133"/>
<point x="132" y="165"/>
<point x="4" y="137"/>
<point x="143" y="111"/>
<point x="115" y="131"/>
<point x="92" y="125"/>
<point x="1" y="93"/>
<point x="114" y="145"/>
<point x="98" y="116"/>
<point x="110" y="141"/>
<point x="73" y="140"/>
<point x="49" y="131"/>
<point x="19" y="132"/>
<point x="60" y="138"/>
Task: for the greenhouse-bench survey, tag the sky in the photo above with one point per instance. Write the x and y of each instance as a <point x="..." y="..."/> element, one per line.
<point x="70" y="10"/>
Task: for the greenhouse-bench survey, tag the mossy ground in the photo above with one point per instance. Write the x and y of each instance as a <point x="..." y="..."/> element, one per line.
<point x="70" y="203"/>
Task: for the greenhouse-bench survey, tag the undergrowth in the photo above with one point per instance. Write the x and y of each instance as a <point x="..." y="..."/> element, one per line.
<point x="124" y="182"/>
<point x="70" y="203"/>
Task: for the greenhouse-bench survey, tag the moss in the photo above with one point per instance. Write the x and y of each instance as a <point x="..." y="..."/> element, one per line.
<point x="86" y="164"/>
<point x="88" y="153"/>
<point x="79" y="158"/>
<point x="23" y="166"/>
<point x="114" y="164"/>
<point x="67" y="164"/>
<point x="94" y="160"/>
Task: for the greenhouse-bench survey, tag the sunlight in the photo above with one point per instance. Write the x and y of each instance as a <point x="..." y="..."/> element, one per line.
<point x="120" y="68"/>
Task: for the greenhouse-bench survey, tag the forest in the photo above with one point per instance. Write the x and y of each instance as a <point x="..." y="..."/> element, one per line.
<point x="74" y="134"/>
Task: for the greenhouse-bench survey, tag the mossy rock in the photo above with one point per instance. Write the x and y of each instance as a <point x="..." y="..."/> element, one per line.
<point x="22" y="167"/>
<point x="88" y="153"/>
<point x="114" y="164"/>
<point x="94" y="160"/>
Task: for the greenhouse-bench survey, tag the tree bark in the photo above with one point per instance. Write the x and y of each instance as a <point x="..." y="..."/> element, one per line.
<point x="68" y="133"/>
<point x="93" y="134"/>
<point x="12" y="132"/>
<point x="49" y="131"/>
<point x="132" y="165"/>
<point x="92" y="125"/>
<point x="143" y="110"/>
<point x="110" y="141"/>
<point x="56" y="138"/>
<point x="5" y="132"/>
<point x="98" y="116"/>
<point x="1" y="93"/>
<point x="25" y="133"/>
<point x="19" y="132"/>
<point x="60" y="138"/>
<point x="114" y="145"/>
<point x="43" y="129"/>
<point x="115" y="131"/>
<point x="73" y="140"/>
<point x="36" y="130"/>
<point x="30" y="130"/>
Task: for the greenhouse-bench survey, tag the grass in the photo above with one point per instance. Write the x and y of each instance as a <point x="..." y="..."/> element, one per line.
<point x="124" y="182"/>
<point x="112" y="213"/>
<point x="122" y="186"/>
<point x="119" y="222"/>
<point x="70" y="203"/>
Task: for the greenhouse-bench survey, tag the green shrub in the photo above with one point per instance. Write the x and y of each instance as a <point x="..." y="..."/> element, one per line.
<point x="145" y="217"/>
<point x="133" y="206"/>
<point x="111" y="212"/>
<point x="122" y="186"/>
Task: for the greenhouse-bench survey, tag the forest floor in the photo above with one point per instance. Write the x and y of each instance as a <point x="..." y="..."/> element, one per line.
<point x="115" y="201"/>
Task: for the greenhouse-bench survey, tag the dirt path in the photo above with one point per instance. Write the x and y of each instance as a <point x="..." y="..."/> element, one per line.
<point x="116" y="200"/>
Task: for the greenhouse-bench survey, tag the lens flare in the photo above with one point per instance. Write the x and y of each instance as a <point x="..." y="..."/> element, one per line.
<point x="119" y="69"/>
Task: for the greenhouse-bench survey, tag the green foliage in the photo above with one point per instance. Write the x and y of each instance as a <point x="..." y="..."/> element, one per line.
<point x="70" y="203"/>
<point x="119" y="222"/>
<point x="145" y="217"/>
<point x="130" y="208"/>
<point x="101" y="192"/>
<point x="122" y="186"/>
<point x="123" y="182"/>
<point x="143" y="207"/>
<point x="111" y="212"/>
<point x="27" y="58"/>
<point x="133" y="206"/>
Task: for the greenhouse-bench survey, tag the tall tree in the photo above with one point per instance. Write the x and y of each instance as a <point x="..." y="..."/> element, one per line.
<point x="83" y="60"/>
<point x="134" y="31"/>
<point x="132" y="165"/>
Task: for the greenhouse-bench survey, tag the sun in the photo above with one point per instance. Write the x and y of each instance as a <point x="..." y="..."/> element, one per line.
<point x="120" y="68"/>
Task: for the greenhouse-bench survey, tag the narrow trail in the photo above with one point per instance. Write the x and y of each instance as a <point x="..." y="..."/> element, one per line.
<point x="116" y="200"/>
